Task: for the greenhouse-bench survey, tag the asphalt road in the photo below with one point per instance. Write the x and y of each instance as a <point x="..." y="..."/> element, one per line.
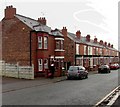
<point x="69" y="92"/>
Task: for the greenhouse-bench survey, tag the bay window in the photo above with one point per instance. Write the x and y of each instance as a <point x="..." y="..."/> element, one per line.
<point x="59" y="44"/>
<point x="42" y="42"/>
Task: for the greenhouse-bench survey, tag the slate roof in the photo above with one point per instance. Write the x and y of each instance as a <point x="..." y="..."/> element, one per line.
<point x="73" y="37"/>
<point x="57" y="32"/>
<point x="33" y="24"/>
<point x="37" y="26"/>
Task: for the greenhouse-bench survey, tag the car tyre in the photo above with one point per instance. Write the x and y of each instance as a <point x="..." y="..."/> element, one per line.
<point x="68" y="78"/>
<point x="86" y="76"/>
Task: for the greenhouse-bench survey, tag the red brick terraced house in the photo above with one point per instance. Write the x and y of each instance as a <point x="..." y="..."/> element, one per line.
<point x="27" y="41"/>
<point x="81" y="50"/>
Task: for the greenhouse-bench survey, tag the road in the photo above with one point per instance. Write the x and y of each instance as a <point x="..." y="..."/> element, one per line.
<point x="69" y="92"/>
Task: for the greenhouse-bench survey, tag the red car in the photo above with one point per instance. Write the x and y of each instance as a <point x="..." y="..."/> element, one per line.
<point x="114" y="66"/>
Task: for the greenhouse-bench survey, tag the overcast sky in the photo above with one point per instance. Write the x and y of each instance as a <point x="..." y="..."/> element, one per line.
<point x="99" y="18"/>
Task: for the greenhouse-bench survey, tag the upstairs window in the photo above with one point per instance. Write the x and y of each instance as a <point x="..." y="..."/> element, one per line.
<point x="45" y="43"/>
<point x="62" y="44"/>
<point x="57" y="44"/>
<point x="77" y="49"/>
<point x="40" y="42"/>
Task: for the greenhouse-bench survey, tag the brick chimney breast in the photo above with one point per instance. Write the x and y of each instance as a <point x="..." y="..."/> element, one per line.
<point x="10" y="12"/>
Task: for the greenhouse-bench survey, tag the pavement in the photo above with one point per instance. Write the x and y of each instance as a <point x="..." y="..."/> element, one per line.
<point x="116" y="103"/>
<point x="12" y="84"/>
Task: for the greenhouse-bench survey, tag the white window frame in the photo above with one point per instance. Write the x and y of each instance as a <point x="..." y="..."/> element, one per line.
<point x="39" y="42"/>
<point x="40" y="64"/>
<point x="45" y="42"/>
<point x="77" y="49"/>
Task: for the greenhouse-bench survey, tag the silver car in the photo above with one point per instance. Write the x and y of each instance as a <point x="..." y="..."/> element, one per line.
<point x="77" y="72"/>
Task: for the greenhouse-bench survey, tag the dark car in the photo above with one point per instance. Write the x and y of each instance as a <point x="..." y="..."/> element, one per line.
<point x="104" y="69"/>
<point x="114" y="66"/>
<point x="77" y="72"/>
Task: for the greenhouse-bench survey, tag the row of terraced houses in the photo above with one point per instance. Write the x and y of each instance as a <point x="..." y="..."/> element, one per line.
<point x="30" y="41"/>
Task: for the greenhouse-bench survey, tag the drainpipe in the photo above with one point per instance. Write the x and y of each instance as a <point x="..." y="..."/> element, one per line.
<point x="30" y="48"/>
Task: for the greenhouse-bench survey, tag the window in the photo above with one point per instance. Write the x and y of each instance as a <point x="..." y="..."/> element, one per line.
<point x="100" y="51"/>
<point x="77" y="49"/>
<point x="40" y="42"/>
<point x="40" y="68"/>
<point x="89" y="50"/>
<point x="45" y="42"/>
<point x="85" y="49"/>
<point x="57" y="44"/>
<point x="62" y="44"/>
<point x="46" y="64"/>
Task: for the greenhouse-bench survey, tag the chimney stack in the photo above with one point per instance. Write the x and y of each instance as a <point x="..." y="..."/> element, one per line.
<point x="88" y="38"/>
<point x="105" y="43"/>
<point x="10" y="12"/>
<point x="42" y="20"/>
<point x="95" y="40"/>
<point x="64" y="31"/>
<point x="108" y="44"/>
<point x="78" y="34"/>
<point x="101" y="42"/>
<point x="111" y="46"/>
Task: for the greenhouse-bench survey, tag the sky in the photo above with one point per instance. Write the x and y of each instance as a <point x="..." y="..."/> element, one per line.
<point x="99" y="18"/>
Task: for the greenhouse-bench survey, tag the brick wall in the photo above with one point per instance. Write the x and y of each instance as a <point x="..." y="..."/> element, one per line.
<point x="69" y="47"/>
<point x="15" y="41"/>
<point x="0" y="40"/>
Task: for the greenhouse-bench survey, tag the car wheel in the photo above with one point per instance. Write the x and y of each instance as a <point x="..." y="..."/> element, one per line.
<point x="80" y="77"/>
<point x="86" y="76"/>
<point x="68" y="78"/>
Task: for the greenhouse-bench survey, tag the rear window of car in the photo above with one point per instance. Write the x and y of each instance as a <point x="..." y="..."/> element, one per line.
<point x="76" y="68"/>
<point x="73" y="68"/>
<point x="104" y="66"/>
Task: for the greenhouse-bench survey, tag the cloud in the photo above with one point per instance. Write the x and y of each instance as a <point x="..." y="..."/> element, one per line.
<point x="92" y="19"/>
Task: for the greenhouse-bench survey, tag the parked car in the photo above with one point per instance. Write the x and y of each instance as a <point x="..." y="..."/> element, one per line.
<point x="77" y="72"/>
<point x="104" y="69"/>
<point x="114" y="66"/>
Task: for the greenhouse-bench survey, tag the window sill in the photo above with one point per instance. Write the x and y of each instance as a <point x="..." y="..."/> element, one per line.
<point x="61" y="50"/>
<point x="42" y="49"/>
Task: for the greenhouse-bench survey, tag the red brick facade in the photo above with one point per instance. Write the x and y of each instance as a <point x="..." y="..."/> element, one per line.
<point x="27" y="41"/>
